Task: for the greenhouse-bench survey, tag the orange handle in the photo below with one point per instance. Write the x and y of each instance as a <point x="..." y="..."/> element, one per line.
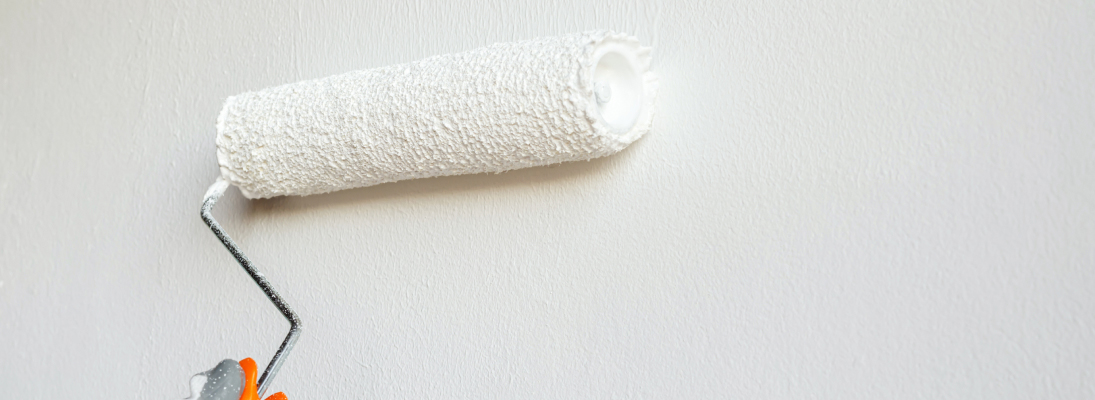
<point x="250" y="387"/>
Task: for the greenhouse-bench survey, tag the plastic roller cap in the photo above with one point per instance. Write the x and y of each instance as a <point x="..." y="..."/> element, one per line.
<point x="223" y="382"/>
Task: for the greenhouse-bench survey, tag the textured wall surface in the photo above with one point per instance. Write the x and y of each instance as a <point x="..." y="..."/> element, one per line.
<point x="841" y="200"/>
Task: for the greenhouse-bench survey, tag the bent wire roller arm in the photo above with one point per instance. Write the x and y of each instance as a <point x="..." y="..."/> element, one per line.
<point x="211" y="196"/>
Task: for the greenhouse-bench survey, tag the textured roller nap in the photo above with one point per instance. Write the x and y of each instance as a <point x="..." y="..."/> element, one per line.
<point x="492" y="109"/>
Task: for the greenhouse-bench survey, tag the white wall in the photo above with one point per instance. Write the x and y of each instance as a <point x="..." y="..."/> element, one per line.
<point x="843" y="200"/>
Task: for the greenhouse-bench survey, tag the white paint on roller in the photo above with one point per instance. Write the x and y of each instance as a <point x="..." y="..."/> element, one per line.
<point x="197" y="382"/>
<point x="492" y="109"/>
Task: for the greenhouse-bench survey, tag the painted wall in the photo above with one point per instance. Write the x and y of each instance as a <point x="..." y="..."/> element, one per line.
<point x="842" y="200"/>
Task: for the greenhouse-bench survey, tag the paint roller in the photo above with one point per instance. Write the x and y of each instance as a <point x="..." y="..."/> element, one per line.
<point x="493" y="109"/>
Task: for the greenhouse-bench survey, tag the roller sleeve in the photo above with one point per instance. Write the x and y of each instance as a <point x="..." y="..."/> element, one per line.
<point x="492" y="109"/>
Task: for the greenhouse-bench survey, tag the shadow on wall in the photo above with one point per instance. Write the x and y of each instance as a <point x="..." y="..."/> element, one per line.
<point x="417" y="188"/>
